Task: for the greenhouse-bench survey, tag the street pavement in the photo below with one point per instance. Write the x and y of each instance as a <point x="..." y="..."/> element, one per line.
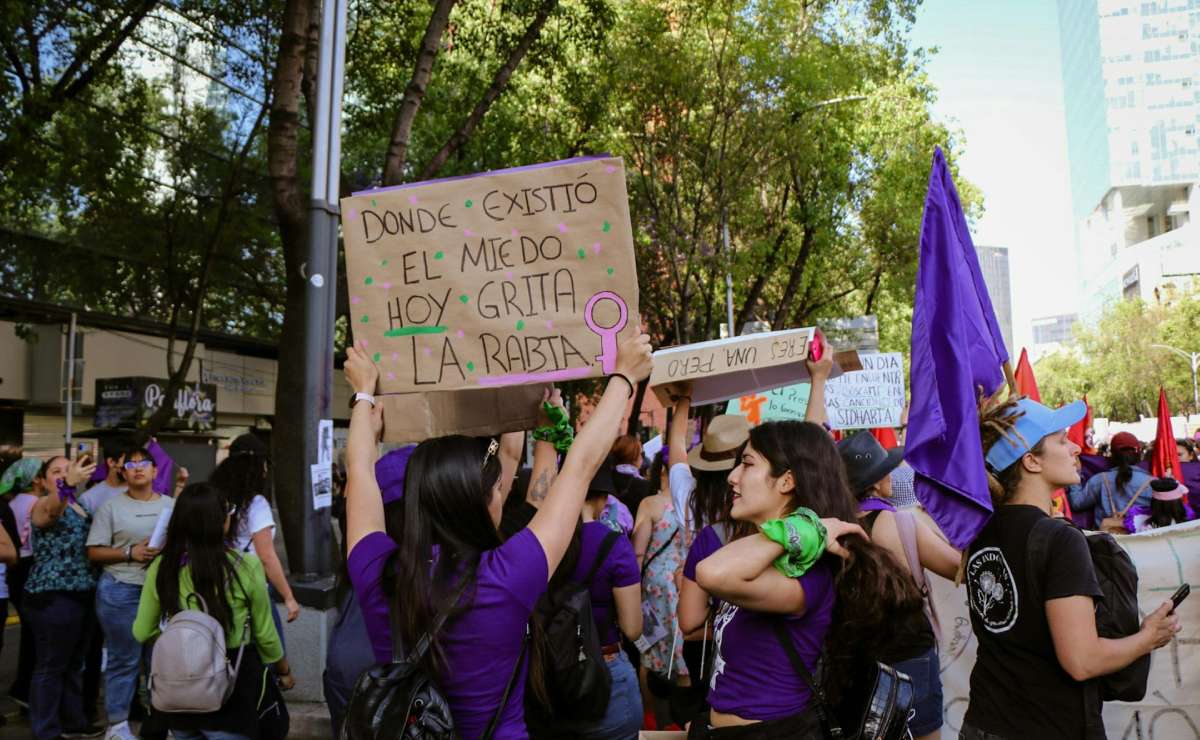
<point x="309" y="721"/>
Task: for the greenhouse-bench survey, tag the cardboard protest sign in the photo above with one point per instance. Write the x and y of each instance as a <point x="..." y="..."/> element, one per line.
<point x="513" y="277"/>
<point x="727" y="368"/>
<point x="1165" y="559"/>
<point x="868" y="398"/>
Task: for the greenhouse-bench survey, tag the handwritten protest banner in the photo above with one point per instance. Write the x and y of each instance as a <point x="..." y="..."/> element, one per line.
<point x="868" y="398"/>
<point x="512" y="277"/>
<point x="778" y="404"/>
<point x="737" y="366"/>
<point x="1165" y="559"/>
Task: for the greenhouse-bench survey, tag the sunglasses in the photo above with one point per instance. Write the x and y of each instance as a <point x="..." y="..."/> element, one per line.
<point x="493" y="448"/>
<point x="138" y="464"/>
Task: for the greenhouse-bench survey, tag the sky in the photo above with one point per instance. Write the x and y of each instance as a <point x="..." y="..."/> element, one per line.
<point x="998" y="73"/>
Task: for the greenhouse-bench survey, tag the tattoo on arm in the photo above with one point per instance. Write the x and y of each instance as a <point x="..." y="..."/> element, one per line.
<point x="540" y="487"/>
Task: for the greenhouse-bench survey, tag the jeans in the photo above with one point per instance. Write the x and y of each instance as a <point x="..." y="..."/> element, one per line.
<point x="623" y="719"/>
<point x="117" y="606"/>
<point x="17" y="575"/>
<point x="61" y="622"/>
<point x="207" y="735"/>
<point x="925" y="672"/>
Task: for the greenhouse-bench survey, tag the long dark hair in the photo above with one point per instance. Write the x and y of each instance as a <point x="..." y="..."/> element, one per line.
<point x="1124" y="461"/>
<point x="1166" y="513"/>
<point x="876" y="597"/>
<point x="242" y="476"/>
<point x="196" y="538"/>
<point x="447" y="488"/>
<point x="712" y="497"/>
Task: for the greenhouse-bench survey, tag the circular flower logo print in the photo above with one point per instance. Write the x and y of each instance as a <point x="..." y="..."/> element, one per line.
<point x="991" y="589"/>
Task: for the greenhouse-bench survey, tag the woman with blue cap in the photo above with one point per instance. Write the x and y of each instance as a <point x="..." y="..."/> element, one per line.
<point x="1038" y="655"/>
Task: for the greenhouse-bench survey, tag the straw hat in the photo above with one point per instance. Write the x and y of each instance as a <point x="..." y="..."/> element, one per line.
<point x="723" y="441"/>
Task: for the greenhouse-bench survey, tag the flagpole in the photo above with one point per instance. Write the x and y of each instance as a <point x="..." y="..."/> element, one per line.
<point x="1008" y="375"/>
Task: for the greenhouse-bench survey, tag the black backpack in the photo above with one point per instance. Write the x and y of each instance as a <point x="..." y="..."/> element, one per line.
<point x="1116" y="614"/>
<point x="577" y="680"/>
<point x="401" y="701"/>
<point x="875" y="706"/>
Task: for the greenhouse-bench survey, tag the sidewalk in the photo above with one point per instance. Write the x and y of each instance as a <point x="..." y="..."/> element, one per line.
<point x="309" y="721"/>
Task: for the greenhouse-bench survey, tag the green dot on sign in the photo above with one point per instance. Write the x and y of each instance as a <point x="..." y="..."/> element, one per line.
<point x="520" y="324"/>
<point x="439" y="255"/>
<point x="368" y="281"/>
<point x="365" y="318"/>
<point x="383" y="264"/>
<point x="581" y="254"/>
<point x="470" y="367"/>
<point x="610" y="271"/>
<point x="376" y="357"/>
<point x="607" y="227"/>
<point x="374" y="202"/>
<point x="464" y="298"/>
<point x="469" y="203"/>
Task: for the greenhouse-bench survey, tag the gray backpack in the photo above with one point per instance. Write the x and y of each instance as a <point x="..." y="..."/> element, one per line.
<point x="189" y="670"/>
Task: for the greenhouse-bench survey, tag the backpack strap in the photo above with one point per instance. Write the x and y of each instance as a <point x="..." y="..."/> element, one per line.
<point x="824" y="715"/>
<point x="1141" y="489"/>
<point x="1112" y="505"/>
<point x="906" y="527"/>
<point x="606" y="547"/>
<point x="512" y="681"/>
<point x="422" y="647"/>
<point x="660" y="551"/>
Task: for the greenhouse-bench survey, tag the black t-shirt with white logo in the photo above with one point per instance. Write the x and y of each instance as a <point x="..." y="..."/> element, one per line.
<point x="1018" y="688"/>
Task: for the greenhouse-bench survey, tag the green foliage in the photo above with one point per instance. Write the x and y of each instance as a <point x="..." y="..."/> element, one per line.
<point x="1116" y="365"/>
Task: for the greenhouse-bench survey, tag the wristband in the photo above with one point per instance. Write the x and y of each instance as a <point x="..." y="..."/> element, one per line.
<point x="129" y="553"/>
<point x="802" y="536"/>
<point x="628" y="382"/>
<point x="558" y="432"/>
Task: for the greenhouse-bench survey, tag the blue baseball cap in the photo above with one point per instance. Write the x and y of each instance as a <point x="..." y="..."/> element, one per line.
<point x="1034" y="422"/>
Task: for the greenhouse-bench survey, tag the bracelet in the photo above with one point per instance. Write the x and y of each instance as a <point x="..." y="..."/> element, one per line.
<point x="802" y="536"/>
<point x="628" y="382"/>
<point x="129" y="553"/>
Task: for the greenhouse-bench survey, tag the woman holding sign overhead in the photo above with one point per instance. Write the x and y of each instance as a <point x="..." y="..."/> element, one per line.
<point x="448" y="558"/>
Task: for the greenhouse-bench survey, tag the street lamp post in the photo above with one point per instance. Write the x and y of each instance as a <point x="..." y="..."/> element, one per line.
<point x="1194" y="359"/>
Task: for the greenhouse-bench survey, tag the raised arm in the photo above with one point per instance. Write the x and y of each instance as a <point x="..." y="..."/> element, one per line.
<point x="819" y="371"/>
<point x="741" y="573"/>
<point x="511" y="446"/>
<point x="677" y="435"/>
<point x="545" y="458"/>
<point x="554" y="524"/>
<point x="643" y="528"/>
<point x="364" y="502"/>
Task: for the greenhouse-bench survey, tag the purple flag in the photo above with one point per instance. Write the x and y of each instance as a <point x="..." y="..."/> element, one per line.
<point x="957" y="347"/>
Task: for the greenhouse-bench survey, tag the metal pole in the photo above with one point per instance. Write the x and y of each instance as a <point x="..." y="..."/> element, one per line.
<point x="728" y="273"/>
<point x="70" y="384"/>
<point x="312" y="566"/>
<point x="1195" y="389"/>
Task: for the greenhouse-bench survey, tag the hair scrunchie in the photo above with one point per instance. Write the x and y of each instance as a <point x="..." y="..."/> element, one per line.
<point x="802" y="536"/>
<point x="559" y="431"/>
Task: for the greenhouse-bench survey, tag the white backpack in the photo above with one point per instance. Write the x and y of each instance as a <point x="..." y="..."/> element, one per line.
<point x="189" y="670"/>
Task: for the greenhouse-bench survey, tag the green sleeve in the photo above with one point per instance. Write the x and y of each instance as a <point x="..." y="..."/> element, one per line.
<point x="262" y="625"/>
<point x="145" y="625"/>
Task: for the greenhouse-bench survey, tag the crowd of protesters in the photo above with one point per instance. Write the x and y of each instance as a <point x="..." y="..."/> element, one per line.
<point x="741" y="583"/>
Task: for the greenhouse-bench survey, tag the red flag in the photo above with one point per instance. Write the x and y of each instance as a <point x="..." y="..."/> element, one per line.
<point x="886" y="437"/>
<point x="1078" y="432"/>
<point x="1026" y="384"/>
<point x="1166" y="454"/>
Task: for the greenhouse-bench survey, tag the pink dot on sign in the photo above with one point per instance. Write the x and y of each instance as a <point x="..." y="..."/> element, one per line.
<point x="395" y="356"/>
<point x="459" y="334"/>
<point x="391" y="376"/>
<point x="352" y="213"/>
<point x="355" y="300"/>
<point x="508" y="274"/>
<point x="562" y="228"/>
<point x="515" y="233"/>
<point x="610" y="169"/>
<point x="387" y="286"/>
<point x="427" y="351"/>
<point x="412" y="199"/>
<point x="362" y="343"/>
<point x="549" y="326"/>
<point x="596" y="247"/>
<point x="468" y="232"/>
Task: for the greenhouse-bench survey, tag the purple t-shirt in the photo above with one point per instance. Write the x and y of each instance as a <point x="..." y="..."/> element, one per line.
<point x="752" y="676"/>
<point x="481" y="645"/>
<point x="619" y="569"/>
<point x="705" y="544"/>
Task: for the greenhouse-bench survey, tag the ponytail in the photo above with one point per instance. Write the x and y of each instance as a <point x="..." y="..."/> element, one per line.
<point x="998" y="419"/>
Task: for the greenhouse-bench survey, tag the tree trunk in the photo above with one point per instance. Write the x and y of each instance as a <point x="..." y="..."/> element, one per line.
<point x="397" y="152"/>
<point x="499" y="82"/>
<point x="283" y="162"/>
